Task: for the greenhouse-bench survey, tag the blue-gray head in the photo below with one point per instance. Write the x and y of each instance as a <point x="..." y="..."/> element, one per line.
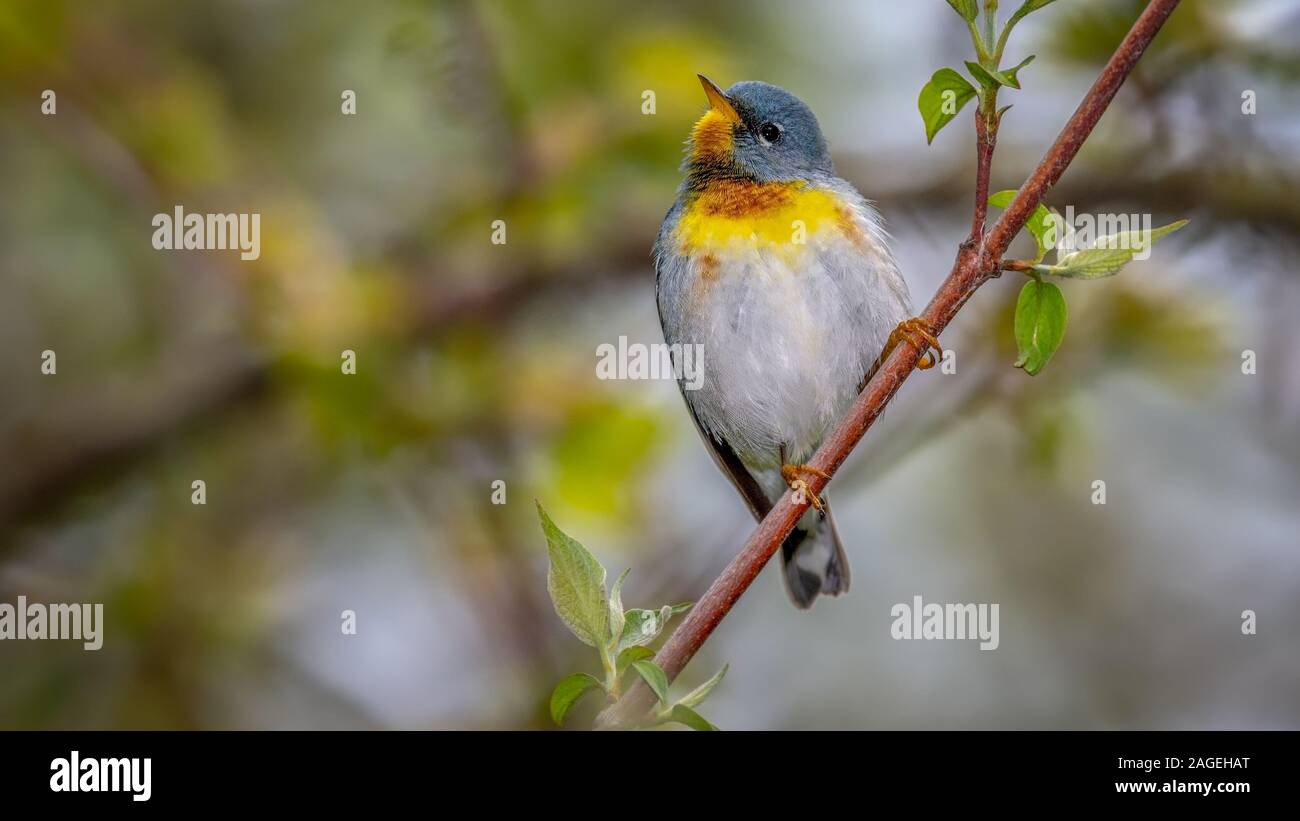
<point x="758" y="131"/>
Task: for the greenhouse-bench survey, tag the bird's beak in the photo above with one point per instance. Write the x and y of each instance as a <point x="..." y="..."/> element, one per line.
<point x="718" y="100"/>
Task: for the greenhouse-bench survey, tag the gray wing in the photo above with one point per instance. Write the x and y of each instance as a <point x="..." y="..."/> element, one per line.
<point x="725" y="458"/>
<point x="729" y="463"/>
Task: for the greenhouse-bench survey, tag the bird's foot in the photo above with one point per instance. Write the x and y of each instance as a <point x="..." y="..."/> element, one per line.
<point x="792" y="474"/>
<point x="915" y="331"/>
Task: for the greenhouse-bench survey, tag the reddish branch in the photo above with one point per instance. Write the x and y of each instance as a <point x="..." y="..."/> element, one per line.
<point x="986" y="136"/>
<point x="976" y="263"/>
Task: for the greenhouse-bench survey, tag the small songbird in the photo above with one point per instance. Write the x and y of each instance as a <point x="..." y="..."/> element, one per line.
<point x="781" y="272"/>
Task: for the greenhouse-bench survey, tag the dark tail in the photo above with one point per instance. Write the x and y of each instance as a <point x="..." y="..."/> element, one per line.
<point x="813" y="559"/>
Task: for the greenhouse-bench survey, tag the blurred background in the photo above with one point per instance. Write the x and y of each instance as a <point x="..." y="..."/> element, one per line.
<point x="476" y="363"/>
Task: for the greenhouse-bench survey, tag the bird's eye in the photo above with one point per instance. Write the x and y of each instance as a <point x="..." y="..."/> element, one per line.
<point x="771" y="132"/>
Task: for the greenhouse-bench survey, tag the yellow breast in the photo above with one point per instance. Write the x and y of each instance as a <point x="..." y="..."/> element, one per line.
<point x="739" y="215"/>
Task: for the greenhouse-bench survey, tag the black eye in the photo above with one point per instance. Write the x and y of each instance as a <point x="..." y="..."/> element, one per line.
<point x="770" y="132"/>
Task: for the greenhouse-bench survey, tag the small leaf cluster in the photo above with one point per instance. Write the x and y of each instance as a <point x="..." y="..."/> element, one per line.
<point x="1040" y="309"/>
<point x="1040" y="316"/>
<point x="948" y="91"/>
<point x="575" y="580"/>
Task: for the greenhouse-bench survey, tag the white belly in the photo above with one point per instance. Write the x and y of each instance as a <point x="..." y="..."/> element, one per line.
<point x="786" y="342"/>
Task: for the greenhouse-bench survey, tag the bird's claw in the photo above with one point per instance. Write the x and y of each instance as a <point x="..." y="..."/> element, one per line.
<point x="792" y="477"/>
<point x="915" y="331"/>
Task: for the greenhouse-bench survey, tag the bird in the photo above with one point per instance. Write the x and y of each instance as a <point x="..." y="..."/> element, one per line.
<point x="782" y="274"/>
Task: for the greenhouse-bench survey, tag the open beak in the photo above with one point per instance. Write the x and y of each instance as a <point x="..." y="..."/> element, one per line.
<point x="718" y="100"/>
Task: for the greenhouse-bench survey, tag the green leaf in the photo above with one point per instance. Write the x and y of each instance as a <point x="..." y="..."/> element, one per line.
<point x="644" y="625"/>
<point x="1092" y="263"/>
<point x="1011" y="72"/>
<point x="567" y="693"/>
<point x="982" y="75"/>
<point x="616" y="617"/>
<point x="641" y="628"/>
<point x="968" y="9"/>
<point x="993" y="79"/>
<point x="576" y="582"/>
<point x="630" y="655"/>
<point x="1003" y="198"/>
<point x="1041" y="223"/>
<point x="1134" y="241"/>
<point x="1108" y="254"/>
<point x="1040" y="324"/>
<point x="685" y="715"/>
<point x="1138" y="240"/>
<point x="696" y="696"/>
<point x="941" y="99"/>
<point x="655" y="677"/>
<point x="1020" y="13"/>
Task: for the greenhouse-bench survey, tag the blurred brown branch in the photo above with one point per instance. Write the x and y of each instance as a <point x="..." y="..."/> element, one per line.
<point x="93" y="443"/>
<point x="976" y="263"/>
